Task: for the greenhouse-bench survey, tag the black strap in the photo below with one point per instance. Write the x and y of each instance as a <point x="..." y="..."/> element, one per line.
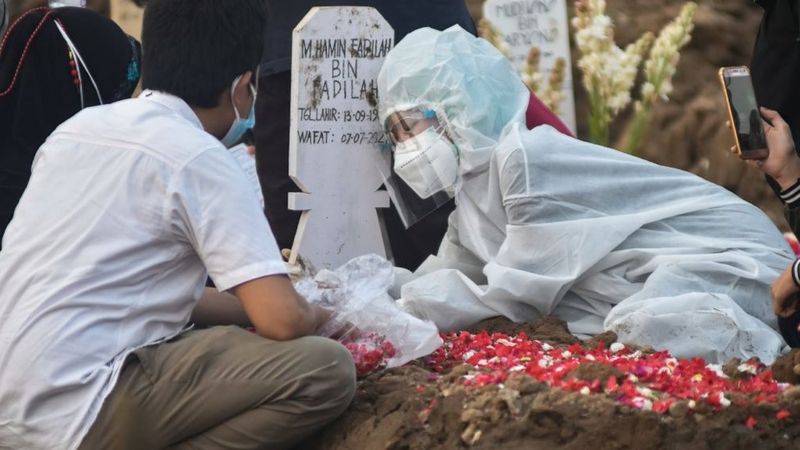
<point x="796" y="272"/>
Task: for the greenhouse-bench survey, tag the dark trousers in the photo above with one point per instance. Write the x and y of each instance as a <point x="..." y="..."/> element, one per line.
<point x="409" y="247"/>
<point x="224" y="388"/>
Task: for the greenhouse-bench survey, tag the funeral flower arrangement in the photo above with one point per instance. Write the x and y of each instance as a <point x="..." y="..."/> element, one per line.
<point x="610" y="72"/>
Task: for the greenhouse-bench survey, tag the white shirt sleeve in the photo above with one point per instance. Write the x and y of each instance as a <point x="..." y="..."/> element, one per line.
<point x="212" y="207"/>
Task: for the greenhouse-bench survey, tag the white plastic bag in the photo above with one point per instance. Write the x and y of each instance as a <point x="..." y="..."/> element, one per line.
<point x="365" y="317"/>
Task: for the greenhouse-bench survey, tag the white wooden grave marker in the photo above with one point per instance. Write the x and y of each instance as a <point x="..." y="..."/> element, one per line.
<point x="525" y="24"/>
<point x="337" y="53"/>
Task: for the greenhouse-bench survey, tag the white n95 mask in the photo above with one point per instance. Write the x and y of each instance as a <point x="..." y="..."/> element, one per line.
<point x="427" y="163"/>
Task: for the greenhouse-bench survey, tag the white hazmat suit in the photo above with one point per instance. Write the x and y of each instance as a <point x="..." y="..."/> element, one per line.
<point x="549" y="225"/>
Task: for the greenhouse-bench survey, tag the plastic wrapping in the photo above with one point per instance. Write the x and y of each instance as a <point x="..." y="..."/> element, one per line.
<point x="366" y="319"/>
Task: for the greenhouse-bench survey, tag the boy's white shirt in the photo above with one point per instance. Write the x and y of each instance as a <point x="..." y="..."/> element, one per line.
<point x="128" y="206"/>
<point x="248" y="164"/>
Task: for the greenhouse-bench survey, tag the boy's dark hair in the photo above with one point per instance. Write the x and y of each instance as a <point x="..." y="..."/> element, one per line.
<point x="194" y="49"/>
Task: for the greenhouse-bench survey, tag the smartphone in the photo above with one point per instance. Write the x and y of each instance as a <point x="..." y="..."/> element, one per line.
<point x="748" y="131"/>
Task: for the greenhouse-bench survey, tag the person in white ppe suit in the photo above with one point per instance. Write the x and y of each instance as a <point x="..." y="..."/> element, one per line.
<point x="549" y="225"/>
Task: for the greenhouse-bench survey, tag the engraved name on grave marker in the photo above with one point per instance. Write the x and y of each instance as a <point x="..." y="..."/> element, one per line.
<point x="543" y="24"/>
<point x="336" y="136"/>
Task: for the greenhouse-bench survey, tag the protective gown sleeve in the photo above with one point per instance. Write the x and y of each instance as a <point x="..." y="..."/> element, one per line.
<point x="447" y="288"/>
<point x="534" y="267"/>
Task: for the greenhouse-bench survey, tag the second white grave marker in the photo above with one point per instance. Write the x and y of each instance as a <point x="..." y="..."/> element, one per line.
<point x="337" y="53"/>
<point x="543" y="24"/>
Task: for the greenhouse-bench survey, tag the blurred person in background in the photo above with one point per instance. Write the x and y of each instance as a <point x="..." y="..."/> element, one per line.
<point x="776" y="61"/>
<point x="54" y="63"/>
<point x="782" y="168"/>
<point x="775" y="70"/>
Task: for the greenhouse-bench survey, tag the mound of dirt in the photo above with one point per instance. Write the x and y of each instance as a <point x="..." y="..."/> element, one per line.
<point x="549" y="329"/>
<point x="414" y="408"/>
<point x="787" y="368"/>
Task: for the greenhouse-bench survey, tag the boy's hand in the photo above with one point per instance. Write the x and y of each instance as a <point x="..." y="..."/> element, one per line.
<point x="321" y="315"/>
<point x="276" y="310"/>
<point x="784" y="294"/>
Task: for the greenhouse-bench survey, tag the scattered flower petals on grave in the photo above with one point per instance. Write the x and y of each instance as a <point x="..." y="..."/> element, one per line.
<point x="751" y="367"/>
<point x="649" y="381"/>
<point x="783" y="414"/>
<point x="751" y="422"/>
<point x="370" y="352"/>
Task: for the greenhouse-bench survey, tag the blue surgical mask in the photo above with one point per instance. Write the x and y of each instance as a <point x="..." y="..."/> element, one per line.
<point x="240" y="126"/>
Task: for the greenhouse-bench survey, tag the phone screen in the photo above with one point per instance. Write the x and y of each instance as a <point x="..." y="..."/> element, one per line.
<point x="744" y="108"/>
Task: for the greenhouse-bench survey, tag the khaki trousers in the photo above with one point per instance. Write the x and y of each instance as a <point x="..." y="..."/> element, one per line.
<point x="224" y="388"/>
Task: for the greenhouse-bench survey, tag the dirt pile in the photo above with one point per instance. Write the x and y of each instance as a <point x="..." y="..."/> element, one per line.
<point x="787" y="368"/>
<point x="414" y="408"/>
<point x="549" y="329"/>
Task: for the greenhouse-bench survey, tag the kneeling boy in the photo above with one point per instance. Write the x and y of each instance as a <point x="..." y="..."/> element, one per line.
<point x="130" y="205"/>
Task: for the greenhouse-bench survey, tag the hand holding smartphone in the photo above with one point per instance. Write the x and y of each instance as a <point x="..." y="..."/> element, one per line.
<point x="743" y="112"/>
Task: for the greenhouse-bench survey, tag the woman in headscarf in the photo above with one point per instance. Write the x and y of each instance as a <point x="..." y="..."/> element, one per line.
<point x="53" y="63"/>
<point x="546" y="224"/>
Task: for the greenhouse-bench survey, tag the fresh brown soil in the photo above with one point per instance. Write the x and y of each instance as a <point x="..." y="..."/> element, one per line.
<point x="787" y="368"/>
<point x="549" y="329"/>
<point x="411" y="408"/>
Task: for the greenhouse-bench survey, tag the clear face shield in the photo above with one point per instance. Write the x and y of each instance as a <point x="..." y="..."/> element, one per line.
<point x="422" y="161"/>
